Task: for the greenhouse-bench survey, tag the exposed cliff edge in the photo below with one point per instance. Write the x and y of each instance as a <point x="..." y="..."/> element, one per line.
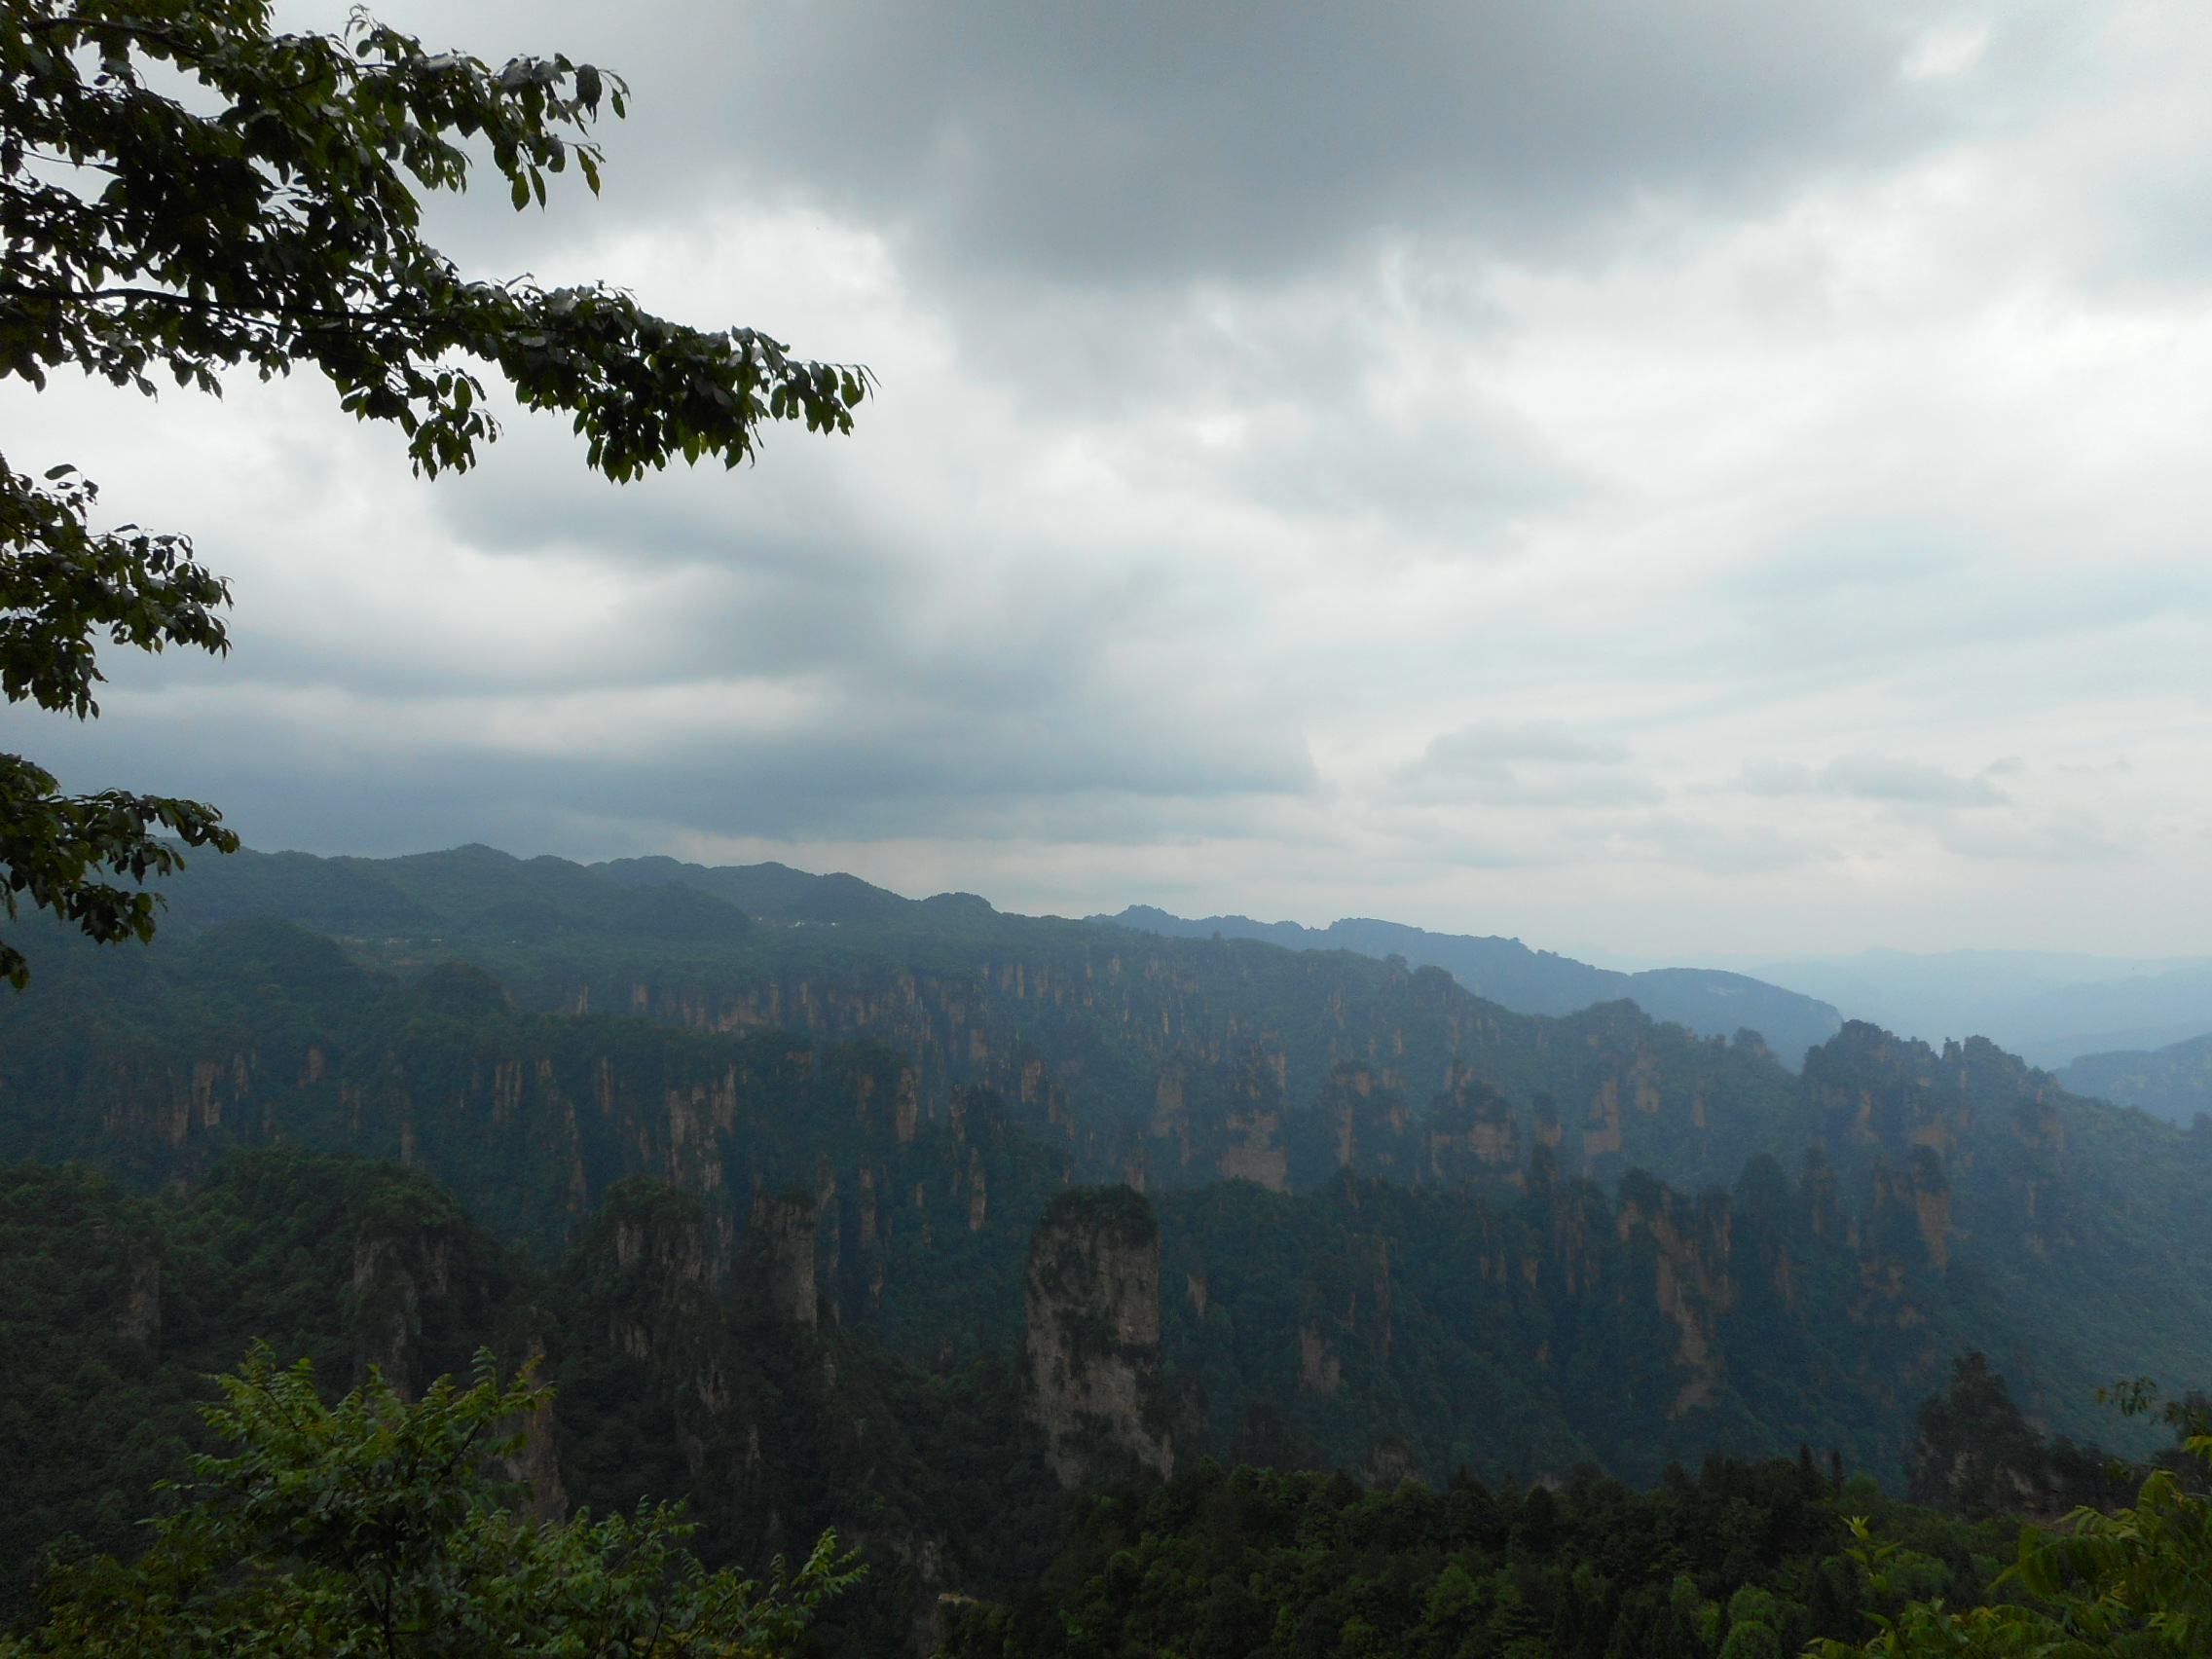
<point x="1093" y="1349"/>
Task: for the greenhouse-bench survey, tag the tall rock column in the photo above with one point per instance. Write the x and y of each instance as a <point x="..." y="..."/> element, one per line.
<point x="400" y="1265"/>
<point x="1093" y="1351"/>
<point x="779" y="1255"/>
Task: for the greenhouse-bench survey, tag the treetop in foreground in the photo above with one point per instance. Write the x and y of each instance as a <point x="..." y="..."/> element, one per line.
<point x="283" y="227"/>
<point x="381" y="1526"/>
<point x="185" y="191"/>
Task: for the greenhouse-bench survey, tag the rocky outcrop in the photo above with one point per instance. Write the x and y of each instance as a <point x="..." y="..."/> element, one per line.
<point x="778" y="1261"/>
<point x="536" y="1462"/>
<point x="1908" y="1218"/>
<point x="140" y="1316"/>
<point x="1369" y="1120"/>
<point x="1473" y="1135"/>
<point x="1252" y="1121"/>
<point x="1976" y="1456"/>
<point x="1319" y="1370"/>
<point x="1690" y="1279"/>
<point x="396" y="1267"/>
<point x="770" y="1423"/>
<point x="1093" y="1383"/>
<point x="1389" y="1463"/>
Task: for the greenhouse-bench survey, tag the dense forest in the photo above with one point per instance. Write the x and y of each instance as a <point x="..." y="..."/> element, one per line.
<point x="383" y="1112"/>
<point x="119" y="1306"/>
<point x="1744" y="1560"/>
<point x="749" y="1401"/>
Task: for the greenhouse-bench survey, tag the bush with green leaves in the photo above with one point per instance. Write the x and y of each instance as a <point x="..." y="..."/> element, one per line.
<point x="389" y="1528"/>
<point x="2134" y="1582"/>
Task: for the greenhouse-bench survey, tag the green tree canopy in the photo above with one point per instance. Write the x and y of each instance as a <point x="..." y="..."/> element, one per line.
<point x="379" y="1527"/>
<point x="266" y="218"/>
<point x="2134" y="1582"/>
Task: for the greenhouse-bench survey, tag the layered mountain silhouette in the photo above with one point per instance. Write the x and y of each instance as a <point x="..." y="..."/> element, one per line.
<point x="2174" y="1082"/>
<point x="1402" y="1227"/>
<point x="1506" y="971"/>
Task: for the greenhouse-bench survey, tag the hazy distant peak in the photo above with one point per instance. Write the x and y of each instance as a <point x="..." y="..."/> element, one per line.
<point x="1709" y="1001"/>
<point x="2047" y="1006"/>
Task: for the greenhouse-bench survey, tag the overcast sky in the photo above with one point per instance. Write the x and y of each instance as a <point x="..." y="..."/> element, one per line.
<point x="1675" y="475"/>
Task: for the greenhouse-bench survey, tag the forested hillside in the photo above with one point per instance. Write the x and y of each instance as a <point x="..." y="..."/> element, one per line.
<point x="747" y="1397"/>
<point x="1165" y="1061"/>
<point x="760" y="1190"/>
<point x="115" y="1307"/>
<point x="1745" y="1561"/>
<point x="1506" y="971"/>
<point x="1434" y="1242"/>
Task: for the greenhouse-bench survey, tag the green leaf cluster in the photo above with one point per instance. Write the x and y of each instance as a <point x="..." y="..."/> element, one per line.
<point x="272" y="219"/>
<point x="378" y="1526"/>
<point x="2132" y="1583"/>
<point x="185" y="190"/>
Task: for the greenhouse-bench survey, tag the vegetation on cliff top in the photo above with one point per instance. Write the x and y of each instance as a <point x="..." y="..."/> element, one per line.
<point x="672" y="1386"/>
<point x="1488" y="1280"/>
<point x="1428" y="1274"/>
<point x="1116" y="1214"/>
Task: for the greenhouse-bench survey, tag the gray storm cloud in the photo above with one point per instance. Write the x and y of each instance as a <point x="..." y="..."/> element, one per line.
<point x="1151" y="143"/>
<point x="1146" y="141"/>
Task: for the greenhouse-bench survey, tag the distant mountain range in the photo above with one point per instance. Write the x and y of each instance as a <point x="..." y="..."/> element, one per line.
<point x="1392" y="1211"/>
<point x="2174" y="1081"/>
<point x="2048" y="1006"/>
<point x="1711" y="1001"/>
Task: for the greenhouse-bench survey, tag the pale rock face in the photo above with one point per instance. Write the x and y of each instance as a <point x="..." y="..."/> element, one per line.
<point x="1093" y="1349"/>
<point x="782" y="1229"/>
<point x="1258" y="1154"/>
<point x="536" y="1462"/>
<point x="1389" y="1463"/>
<point x="140" y="1315"/>
<point x="395" y="1270"/>
<point x="1694" y="1287"/>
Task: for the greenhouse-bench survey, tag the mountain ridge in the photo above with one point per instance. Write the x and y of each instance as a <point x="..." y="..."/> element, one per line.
<point x="570" y="1039"/>
<point x="2050" y="1007"/>
<point x="416" y="897"/>
<point x="1712" y="1002"/>
<point x="2174" y="1082"/>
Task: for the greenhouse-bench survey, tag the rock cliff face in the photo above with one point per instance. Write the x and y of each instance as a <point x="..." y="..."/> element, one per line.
<point x="1094" y="1345"/>
<point x="395" y="1269"/>
<point x="536" y="1463"/>
<point x="1689" y="1243"/>
<point x="778" y="1260"/>
<point x="773" y="1423"/>
<point x="140" y="1315"/>
<point x="424" y="1289"/>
